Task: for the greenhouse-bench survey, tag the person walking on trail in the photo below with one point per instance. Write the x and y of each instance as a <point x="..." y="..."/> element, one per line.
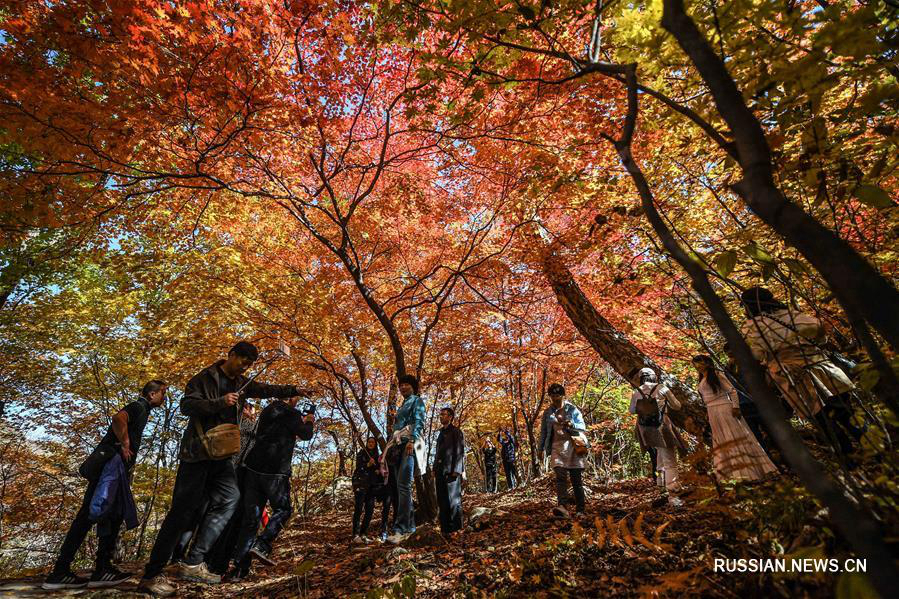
<point x="390" y="463"/>
<point x="748" y="410"/>
<point x="736" y="455"/>
<point x="449" y="466"/>
<point x="790" y="346"/>
<point x="267" y="469"/>
<point x="490" y="469"/>
<point x="562" y="439"/>
<point x="651" y="402"/>
<point x="123" y="437"/>
<point x="365" y="489"/>
<point x="212" y="400"/>
<point x="508" y="445"/>
<point x="409" y="429"/>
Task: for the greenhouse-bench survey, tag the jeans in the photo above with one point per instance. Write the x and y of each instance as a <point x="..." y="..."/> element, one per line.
<point x="391" y="498"/>
<point x="511" y="474"/>
<point x="260" y="489"/>
<point x="449" y="500"/>
<point x="491" y="479"/>
<point x="195" y="481"/>
<point x="107" y="535"/>
<point x="364" y="502"/>
<point x="184" y="539"/>
<point x="577" y="483"/>
<point x="219" y="557"/>
<point x="405" y="519"/>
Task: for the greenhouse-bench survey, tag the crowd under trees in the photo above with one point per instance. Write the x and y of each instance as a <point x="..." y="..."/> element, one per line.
<point x="490" y="196"/>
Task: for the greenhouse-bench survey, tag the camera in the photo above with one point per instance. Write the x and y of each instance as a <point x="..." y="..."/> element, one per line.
<point x="307" y="407"/>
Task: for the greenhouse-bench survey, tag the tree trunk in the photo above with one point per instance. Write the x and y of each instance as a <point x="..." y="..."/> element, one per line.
<point x="615" y="348"/>
<point x="850" y="277"/>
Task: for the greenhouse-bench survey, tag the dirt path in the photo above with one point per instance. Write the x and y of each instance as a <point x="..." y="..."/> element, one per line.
<point x="631" y="542"/>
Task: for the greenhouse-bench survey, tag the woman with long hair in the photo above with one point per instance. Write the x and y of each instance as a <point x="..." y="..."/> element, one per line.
<point x="736" y="454"/>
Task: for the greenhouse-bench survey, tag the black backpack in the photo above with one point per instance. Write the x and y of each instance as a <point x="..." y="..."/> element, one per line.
<point x="647" y="408"/>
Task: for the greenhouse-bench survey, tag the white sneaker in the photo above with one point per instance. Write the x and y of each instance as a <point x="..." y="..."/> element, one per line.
<point x="396" y="538"/>
<point x="675" y="501"/>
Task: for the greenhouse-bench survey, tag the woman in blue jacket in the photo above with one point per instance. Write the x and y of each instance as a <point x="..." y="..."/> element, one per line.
<point x="410" y="425"/>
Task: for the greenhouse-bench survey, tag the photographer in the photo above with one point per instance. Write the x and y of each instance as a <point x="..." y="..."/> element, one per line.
<point x="267" y="478"/>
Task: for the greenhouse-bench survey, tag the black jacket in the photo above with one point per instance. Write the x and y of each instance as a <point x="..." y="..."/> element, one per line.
<point x="204" y="401"/>
<point x="276" y="437"/>
<point x="365" y="476"/>
<point x="490" y="458"/>
<point x="450" y="453"/>
<point x="507" y="446"/>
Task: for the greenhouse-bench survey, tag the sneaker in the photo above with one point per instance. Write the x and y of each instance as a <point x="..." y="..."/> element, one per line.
<point x="560" y="512"/>
<point x="107" y="577"/>
<point x="198" y="573"/>
<point x="356" y="540"/>
<point x="261" y="554"/>
<point x="675" y="501"/>
<point x="158" y="586"/>
<point x="65" y="580"/>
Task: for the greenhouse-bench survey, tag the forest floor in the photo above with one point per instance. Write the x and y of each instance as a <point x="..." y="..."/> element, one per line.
<point x="631" y="544"/>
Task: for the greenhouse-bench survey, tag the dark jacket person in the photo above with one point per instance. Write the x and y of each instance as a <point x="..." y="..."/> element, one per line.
<point x="449" y="464"/>
<point x="124" y="437"/>
<point x="212" y="397"/>
<point x="267" y="478"/>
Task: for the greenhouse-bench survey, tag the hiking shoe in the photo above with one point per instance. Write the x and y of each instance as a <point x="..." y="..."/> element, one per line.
<point x="560" y="512"/>
<point x="198" y="573"/>
<point x="262" y="555"/>
<point x="158" y="586"/>
<point x="64" y="580"/>
<point x="107" y="577"/>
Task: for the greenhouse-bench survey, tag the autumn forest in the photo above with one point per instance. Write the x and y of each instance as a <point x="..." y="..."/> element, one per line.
<point x="500" y="199"/>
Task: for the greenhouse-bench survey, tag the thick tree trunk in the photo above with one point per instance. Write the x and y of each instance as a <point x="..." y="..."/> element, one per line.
<point x="615" y="348"/>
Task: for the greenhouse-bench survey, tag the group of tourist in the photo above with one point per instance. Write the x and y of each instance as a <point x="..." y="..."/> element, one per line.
<point x="223" y="483"/>
<point x="233" y="463"/>
<point x="789" y="345"/>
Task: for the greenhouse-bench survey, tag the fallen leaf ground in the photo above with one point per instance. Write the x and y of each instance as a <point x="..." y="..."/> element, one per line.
<point x="631" y="544"/>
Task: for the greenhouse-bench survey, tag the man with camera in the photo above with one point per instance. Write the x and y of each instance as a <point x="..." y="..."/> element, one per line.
<point x="213" y="400"/>
<point x="267" y="478"/>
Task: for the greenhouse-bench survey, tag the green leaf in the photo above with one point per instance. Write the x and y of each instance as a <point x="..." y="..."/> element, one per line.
<point x="868" y="379"/>
<point x="726" y="262"/>
<point x="872" y="195"/>
<point x="304" y="568"/>
<point x="758" y="253"/>
<point x="796" y="266"/>
<point x="409" y="586"/>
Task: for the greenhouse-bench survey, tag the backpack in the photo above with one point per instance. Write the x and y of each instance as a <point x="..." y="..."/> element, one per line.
<point x="647" y="408"/>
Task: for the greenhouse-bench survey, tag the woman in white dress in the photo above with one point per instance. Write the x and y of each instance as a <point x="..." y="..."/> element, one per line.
<point x="736" y="454"/>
